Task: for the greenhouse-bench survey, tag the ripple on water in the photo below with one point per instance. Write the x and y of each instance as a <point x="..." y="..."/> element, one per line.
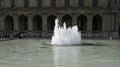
<point x="31" y="53"/>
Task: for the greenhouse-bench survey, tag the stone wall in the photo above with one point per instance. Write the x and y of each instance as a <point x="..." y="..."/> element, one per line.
<point x="60" y="3"/>
<point x="110" y="15"/>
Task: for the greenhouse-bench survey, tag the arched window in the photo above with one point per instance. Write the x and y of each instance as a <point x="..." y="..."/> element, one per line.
<point x="68" y="20"/>
<point x="51" y="22"/>
<point x="115" y="1"/>
<point x="82" y="22"/>
<point x="81" y="3"/>
<point x="9" y="25"/>
<point x="12" y="3"/>
<point x="95" y="3"/>
<point x="39" y="3"/>
<point x="97" y="23"/>
<point x="37" y="23"/>
<point x="23" y="23"/>
<point x="53" y="3"/>
<point x="67" y="3"/>
<point x="26" y="3"/>
<point x="109" y="3"/>
<point x="1" y="3"/>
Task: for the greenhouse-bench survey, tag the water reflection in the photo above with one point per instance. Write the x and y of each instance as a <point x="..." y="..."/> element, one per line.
<point x="32" y="53"/>
<point x="66" y="56"/>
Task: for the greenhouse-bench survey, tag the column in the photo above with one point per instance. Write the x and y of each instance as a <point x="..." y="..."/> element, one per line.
<point x="74" y="17"/>
<point x="2" y="28"/>
<point x="117" y="23"/>
<point x="30" y="27"/>
<point x="30" y="23"/>
<point x="60" y="19"/>
<point x="104" y="23"/>
<point x="89" y="22"/>
<point x="44" y="25"/>
<point x="16" y="26"/>
<point x="112" y="15"/>
<point x="109" y="22"/>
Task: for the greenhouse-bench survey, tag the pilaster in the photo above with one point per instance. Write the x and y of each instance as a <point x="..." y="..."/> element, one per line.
<point x="89" y="22"/>
<point x="16" y="26"/>
<point x="30" y="23"/>
<point x="74" y="22"/>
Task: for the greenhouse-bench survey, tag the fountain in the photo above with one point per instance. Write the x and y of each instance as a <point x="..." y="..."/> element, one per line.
<point x="65" y="36"/>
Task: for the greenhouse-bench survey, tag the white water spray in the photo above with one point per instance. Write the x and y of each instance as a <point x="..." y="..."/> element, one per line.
<point x="65" y="36"/>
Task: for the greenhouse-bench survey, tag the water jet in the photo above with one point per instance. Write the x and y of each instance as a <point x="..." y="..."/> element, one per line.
<point x="65" y="36"/>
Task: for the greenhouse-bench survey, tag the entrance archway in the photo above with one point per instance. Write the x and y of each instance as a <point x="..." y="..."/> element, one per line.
<point x="9" y="24"/>
<point x="68" y="20"/>
<point x="51" y="22"/>
<point x="37" y="23"/>
<point x="97" y="23"/>
<point x="82" y="22"/>
<point x="23" y="23"/>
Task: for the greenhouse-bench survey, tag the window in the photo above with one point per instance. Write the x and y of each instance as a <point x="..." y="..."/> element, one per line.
<point x="95" y="3"/>
<point x="67" y="3"/>
<point x="39" y="3"/>
<point x="1" y="3"/>
<point x="115" y="1"/>
<point x="97" y="23"/>
<point x="109" y="4"/>
<point x="53" y="3"/>
<point x="12" y="3"/>
<point x="81" y="3"/>
<point x="26" y="3"/>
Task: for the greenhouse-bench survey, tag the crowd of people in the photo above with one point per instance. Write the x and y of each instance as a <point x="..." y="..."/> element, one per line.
<point x="5" y="36"/>
<point x="20" y="35"/>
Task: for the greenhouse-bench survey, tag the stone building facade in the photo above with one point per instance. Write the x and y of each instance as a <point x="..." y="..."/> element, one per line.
<point x="95" y="18"/>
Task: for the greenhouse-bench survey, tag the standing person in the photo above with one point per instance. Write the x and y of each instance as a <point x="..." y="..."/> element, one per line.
<point x="21" y="35"/>
<point x="110" y="36"/>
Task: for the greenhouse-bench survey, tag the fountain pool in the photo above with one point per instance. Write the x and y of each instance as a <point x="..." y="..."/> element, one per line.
<point x="30" y="53"/>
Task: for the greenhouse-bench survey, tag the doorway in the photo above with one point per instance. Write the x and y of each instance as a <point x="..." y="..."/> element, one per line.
<point x="97" y="23"/>
<point x="37" y="23"/>
<point x="9" y="24"/>
<point x="23" y="23"/>
<point x="82" y="23"/>
<point x="51" y="22"/>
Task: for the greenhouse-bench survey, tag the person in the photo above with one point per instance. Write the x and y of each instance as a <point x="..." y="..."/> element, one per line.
<point x="21" y="35"/>
<point x="110" y="36"/>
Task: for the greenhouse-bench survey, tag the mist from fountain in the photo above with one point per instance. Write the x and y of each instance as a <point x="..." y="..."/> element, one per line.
<point x="65" y="36"/>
